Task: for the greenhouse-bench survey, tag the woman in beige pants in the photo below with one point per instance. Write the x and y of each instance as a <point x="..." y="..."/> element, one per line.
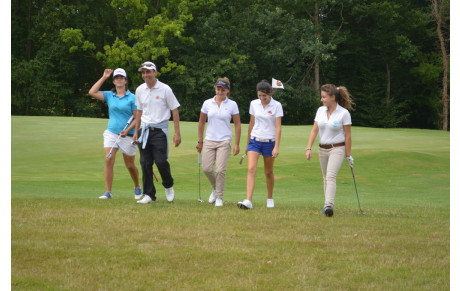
<point x="333" y="122"/>
<point x="217" y="145"/>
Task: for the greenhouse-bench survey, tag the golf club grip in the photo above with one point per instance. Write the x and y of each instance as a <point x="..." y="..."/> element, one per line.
<point x="130" y="119"/>
<point x="199" y="158"/>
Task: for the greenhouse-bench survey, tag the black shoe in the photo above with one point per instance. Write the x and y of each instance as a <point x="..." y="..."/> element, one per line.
<point x="328" y="211"/>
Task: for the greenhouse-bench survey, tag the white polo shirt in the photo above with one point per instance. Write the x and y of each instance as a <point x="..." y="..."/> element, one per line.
<point x="219" y="118"/>
<point x="265" y="118"/>
<point x="156" y="103"/>
<point x="331" y="131"/>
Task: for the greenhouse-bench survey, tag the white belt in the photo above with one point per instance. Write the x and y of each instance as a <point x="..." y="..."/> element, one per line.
<point x="262" y="140"/>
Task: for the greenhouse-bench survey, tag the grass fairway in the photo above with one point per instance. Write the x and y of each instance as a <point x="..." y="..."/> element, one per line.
<point x="64" y="238"/>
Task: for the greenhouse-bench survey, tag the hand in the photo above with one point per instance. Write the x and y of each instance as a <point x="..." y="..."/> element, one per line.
<point x="199" y="146"/>
<point x="135" y="136"/>
<point x="107" y="73"/>
<point x="275" y="152"/>
<point x="177" y="140"/>
<point x="236" y="149"/>
<point x="308" y="154"/>
<point x="124" y="133"/>
<point x="350" y="161"/>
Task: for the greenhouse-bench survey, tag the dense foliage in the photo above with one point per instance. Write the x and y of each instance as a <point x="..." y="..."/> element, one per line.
<point x="385" y="52"/>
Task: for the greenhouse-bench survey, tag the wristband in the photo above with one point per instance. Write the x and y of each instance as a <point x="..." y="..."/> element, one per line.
<point x="309" y="149"/>
<point x="200" y="142"/>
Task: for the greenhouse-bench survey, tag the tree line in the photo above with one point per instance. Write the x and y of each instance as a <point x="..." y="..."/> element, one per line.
<point x="392" y="55"/>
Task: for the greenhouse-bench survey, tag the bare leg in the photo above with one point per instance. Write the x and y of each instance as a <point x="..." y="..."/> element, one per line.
<point x="270" y="178"/>
<point x="253" y="158"/>
<point x="132" y="169"/>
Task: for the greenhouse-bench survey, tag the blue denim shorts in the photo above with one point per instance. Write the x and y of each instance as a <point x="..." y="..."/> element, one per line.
<point x="264" y="148"/>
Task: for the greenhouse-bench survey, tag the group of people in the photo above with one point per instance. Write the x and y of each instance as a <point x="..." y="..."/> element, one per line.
<point x="153" y="104"/>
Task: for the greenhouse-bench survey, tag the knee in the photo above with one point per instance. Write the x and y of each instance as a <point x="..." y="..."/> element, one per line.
<point x="269" y="174"/>
<point x="208" y="170"/>
<point x="220" y="172"/>
<point x="110" y="162"/>
<point x="252" y="171"/>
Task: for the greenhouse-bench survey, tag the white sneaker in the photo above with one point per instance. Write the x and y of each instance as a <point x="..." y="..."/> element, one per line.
<point x="219" y="202"/>
<point x="169" y="194"/>
<point x="270" y="203"/>
<point x="145" y="200"/>
<point x="246" y="204"/>
<point x="212" y="197"/>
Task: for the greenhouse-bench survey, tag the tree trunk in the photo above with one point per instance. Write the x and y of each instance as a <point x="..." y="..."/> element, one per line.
<point x="437" y="12"/>
<point x="387" y="99"/>
<point x="316" y="60"/>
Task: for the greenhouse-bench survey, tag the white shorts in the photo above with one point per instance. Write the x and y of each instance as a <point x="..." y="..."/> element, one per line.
<point x="124" y="144"/>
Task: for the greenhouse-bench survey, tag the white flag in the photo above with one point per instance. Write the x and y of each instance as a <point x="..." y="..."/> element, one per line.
<point x="277" y="84"/>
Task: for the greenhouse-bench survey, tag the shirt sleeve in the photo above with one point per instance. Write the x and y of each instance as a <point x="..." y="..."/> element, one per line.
<point x="279" y="110"/>
<point x="106" y="95"/>
<point x="171" y="99"/>
<point x="204" y="107"/>
<point x="346" y="118"/>
<point x="251" y="108"/>
<point x="235" y="109"/>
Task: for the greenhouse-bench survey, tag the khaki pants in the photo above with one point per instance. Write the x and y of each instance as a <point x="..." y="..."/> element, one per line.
<point x="331" y="161"/>
<point x="216" y="152"/>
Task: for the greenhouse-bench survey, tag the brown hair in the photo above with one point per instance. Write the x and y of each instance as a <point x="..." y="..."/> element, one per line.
<point x="264" y="86"/>
<point x="226" y="80"/>
<point x="342" y="96"/>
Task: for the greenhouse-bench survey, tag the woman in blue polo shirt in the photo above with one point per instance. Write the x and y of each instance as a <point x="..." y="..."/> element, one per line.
<point x="333" y="123"/>
<point x="217" y="145"/>
<point x="122" y="106"/>
<point x="264" y="135"/>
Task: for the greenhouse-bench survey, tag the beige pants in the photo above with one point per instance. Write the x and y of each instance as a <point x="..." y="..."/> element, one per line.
<point x="331" y="161"/>
<point x="216" y="152"/>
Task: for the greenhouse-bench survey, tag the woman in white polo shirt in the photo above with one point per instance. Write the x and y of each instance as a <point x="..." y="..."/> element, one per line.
<point x="217" y="145"/>
<point x="333" y="122"/>
<point x="264" y="134"/>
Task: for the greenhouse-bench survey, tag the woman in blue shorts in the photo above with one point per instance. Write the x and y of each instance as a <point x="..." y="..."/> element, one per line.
<point x="264" y="134"/>
<point x="122" y="106"/>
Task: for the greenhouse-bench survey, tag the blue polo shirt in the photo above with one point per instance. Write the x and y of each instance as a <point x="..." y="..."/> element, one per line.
<point x="120" y="110"/>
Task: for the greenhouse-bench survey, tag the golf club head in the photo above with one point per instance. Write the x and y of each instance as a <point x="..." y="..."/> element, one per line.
<point x="242" y="158"/>
<point x="201" y="201"/>
<point x="109" y="155"/>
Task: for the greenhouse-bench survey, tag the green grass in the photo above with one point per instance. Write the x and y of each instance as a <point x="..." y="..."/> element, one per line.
<point x="64" y="238"/>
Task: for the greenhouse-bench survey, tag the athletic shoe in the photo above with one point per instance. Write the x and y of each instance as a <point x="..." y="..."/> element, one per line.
<point x="137" y="193"/>
<point x="106" y="195"/>
<point x="212" y="197"/>
<point x="270" y="203"/>
<point x="328" y="211"/>
<point x="246" y="204"/>
<point x="219" y="202"/>
<point x="146" y="200"/>
<point x="169" y="194"/>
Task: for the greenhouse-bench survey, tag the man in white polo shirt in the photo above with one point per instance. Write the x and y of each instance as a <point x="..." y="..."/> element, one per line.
<point x="155" y="102"/>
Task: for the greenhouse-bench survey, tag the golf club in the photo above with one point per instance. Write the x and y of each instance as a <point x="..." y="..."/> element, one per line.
<point x="242" y="158"/>
<point x="126" y="126"/>
<point x="155" y="176"/>
<point x="199" y="177"/>
<point x="356" y="188"/>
